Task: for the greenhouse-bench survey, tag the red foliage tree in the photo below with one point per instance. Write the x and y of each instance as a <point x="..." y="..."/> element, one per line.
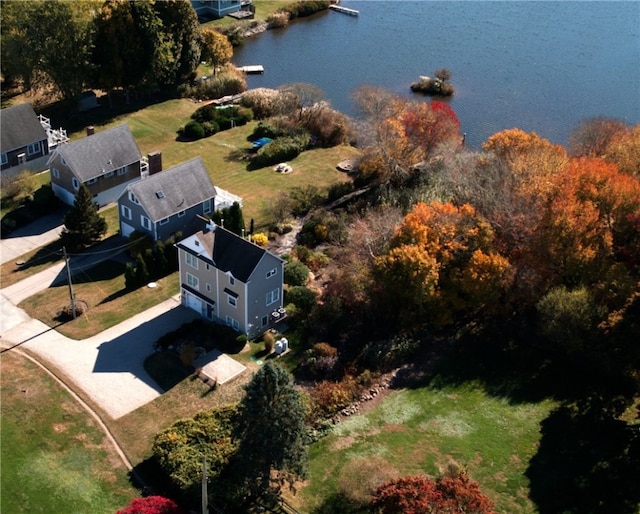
<point x="424" y="495"/>
<point x="152" y="505"/>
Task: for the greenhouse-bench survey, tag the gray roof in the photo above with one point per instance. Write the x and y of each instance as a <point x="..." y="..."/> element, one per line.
<point x="101" y="152"/>
<point x="19" y="127"/>
<point x="177" y="189"/>
<point x="231" y="253"/>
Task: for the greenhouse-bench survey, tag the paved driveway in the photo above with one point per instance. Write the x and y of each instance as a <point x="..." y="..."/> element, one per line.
<point x="108" y="367"/>
<point x="34" y="235"/>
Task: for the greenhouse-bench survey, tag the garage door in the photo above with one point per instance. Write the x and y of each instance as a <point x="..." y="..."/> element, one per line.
<point x="126" y="229"/>
<point x="193" y="302"/>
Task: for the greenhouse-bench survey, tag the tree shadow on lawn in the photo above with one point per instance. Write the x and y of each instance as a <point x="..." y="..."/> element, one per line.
<point x="588" y="459"/>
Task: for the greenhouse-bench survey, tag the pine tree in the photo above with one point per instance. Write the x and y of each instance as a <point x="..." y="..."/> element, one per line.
<point x="271" y="429"/>
<point x="83" y="225"/>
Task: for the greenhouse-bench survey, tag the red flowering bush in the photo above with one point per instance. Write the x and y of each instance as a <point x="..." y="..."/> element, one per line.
<point x="152" y="505"/>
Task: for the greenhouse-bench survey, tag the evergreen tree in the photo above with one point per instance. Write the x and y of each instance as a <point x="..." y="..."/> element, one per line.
<point x="83" y="225"/>
<point x="271" y="431"/>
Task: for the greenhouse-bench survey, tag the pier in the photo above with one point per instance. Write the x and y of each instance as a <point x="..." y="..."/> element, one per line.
<point x="254" y="69"/>
<point x="345" y="10"/>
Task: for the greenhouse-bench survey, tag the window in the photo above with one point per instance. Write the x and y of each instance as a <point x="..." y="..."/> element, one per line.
<point x="191" y="260"/>
<point x="5" y="159"/>
<point x="192" y="281"/>
<point x="146" y="222"/>
<point x="232" y="280"/>
<point x="108" y="174"/>
<point x="208" y="287"/>
<point x="121" y="171"/>
<point x="232" y="297"/>
<point x="55" y="172"/>
<point x="126" y="212"/>
<point x="207" y="266"/>
<point x="206" y="206"/>
<point x="181" y="213"/>
<point x="76" y="183"/>
<point x="273" y="296"/>
<point x="133" y="198"/>
<point x="160" y="194"/>
<point x="232" y="323"/>
<point x="265" y="320"/>
<point x="91" y="181"/>
<point x="33" y="148"/>
<point x="163" y="221"/>
<point x="272" y="272"/>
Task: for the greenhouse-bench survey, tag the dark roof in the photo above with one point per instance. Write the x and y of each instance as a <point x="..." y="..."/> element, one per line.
<point x="176" y="189"/>
<point x="231" y="253"/>
<point x="101" y="152"/>
<point x="20" y="126"/>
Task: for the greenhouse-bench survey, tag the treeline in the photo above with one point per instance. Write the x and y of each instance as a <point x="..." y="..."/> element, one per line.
<point x="72" y="46"/>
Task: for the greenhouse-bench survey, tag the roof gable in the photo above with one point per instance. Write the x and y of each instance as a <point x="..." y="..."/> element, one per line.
<point x="229" y="252"/>
<point x="19" y="126"/>
<point x="177" y="189"/>
<point x="101" y="152"/>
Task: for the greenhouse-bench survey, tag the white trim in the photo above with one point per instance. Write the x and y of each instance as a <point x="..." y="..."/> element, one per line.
<point x="193" y="281"/>
<point x="191" y="260"/>
<point x="126" y="212"/>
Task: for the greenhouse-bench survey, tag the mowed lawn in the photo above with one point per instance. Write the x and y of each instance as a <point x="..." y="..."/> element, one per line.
<point x="102" y="289"/>
<point x="422" y="431"/>
<point x="155" y="129"/>
<point x="54" y="457"/>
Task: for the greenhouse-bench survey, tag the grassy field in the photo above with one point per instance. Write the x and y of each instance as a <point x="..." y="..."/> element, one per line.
<point x="422" y="431"/>
<point x="102" y="289"/>
<point x="54" y="457"/>
<point x="155" y="129"/>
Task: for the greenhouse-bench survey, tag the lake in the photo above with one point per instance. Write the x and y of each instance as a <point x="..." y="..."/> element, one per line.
<point x="538" y="66"/>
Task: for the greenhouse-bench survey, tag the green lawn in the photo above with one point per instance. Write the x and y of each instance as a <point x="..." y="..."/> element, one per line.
<point x="54" y="457"/>
<point x="155" y="129"/>
<point x="102" y="289"/>
<point x="422" y="431"/>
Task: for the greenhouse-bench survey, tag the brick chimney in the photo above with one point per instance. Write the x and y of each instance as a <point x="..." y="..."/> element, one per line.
<point x="155" y="162"/>
<point x="90" y="130"/>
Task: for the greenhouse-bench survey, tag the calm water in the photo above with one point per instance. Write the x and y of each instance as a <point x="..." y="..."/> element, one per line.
<point x="539" y="66"/>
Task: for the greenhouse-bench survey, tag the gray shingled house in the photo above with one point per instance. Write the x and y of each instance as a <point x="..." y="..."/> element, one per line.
<point x="170" y="201"/>
<point x="24" y="142"/>
<point x="106" y="162"/>
<point x="231" y="280"/>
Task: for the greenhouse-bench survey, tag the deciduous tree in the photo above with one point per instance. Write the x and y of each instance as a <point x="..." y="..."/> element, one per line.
<point x="216" y="49"/>
<point x="441" y="266"/>
<point x="592" y="136"/>
<point x="423" y="495"/>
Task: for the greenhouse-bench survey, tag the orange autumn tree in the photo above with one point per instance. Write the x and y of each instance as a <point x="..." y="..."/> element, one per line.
<point x="398" y="134"/>
<point x="624" y="150"/>
<point x="588" y="224"/>
<point x="441" y="266"/>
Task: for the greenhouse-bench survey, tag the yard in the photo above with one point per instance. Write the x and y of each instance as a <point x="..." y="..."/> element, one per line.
<point x="423" y="430"/>
<point x="54" y="456"/>
<point x="155" y="129"/>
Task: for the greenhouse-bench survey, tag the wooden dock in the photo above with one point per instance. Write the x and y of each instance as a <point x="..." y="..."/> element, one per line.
<point x="345" y="10"/>
<point x="255" y="69"/>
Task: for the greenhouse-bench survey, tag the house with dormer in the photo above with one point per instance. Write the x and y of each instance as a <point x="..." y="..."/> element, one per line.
<point x="228" y="279"/>
<point x="171" y="201"/>
<point x="106" y="162"/>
